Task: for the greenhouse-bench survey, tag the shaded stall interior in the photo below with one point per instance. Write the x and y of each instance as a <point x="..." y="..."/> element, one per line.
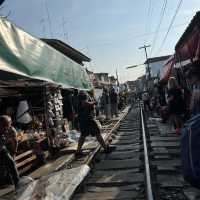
<point x="29" y="95"/>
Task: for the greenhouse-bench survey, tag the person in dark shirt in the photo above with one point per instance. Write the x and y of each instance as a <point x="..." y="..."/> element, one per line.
<point x="193" y="77"/>
<point x="114" y="102"/>
<point x="8" y="148"/>
<point x="105" y="103"/>
<point x="175" y="103"/>
<point x="88" y="125"/>
<point x="75" y="109"/>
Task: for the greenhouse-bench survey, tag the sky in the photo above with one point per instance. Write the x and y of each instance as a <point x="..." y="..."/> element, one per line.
<point x="110" y="32"/>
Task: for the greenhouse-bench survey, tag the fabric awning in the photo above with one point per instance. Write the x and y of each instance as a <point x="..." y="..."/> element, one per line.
<point x="190" y="49"/>
<point x="167" y="69"/>
<point x="23" y="54"/>
<point x="188" y="46"/>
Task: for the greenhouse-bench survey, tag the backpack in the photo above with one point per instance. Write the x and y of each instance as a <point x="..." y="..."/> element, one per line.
<point x="190" y="150"/>
<point x="113" y="97"/>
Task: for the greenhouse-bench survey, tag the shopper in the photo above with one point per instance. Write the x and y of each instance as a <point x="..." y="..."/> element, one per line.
<point x="146" y="101"/>
<point x="193" y="76"/>
<point x="88" y="125"/>
<point x="175" y="104"/>
<point x="75" y="109"/>
<point x="114" y="99"/>
<point x="8" y="148"/>
<point x="105" y="103"/>
<point x="68" y="111"/>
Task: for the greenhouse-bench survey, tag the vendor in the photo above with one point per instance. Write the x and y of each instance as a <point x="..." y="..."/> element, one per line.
<point x="8" y="148"/>
<point x="10" y="135"/>
<point x="193" y="77"/>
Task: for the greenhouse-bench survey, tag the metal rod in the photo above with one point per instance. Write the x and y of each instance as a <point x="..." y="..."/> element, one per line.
<point x="146" y="159"/>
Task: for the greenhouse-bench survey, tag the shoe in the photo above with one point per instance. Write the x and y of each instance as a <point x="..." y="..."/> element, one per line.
<point x="79" y="154"/>
<point x="178" y="131"/>
<point x="109" y="149"/>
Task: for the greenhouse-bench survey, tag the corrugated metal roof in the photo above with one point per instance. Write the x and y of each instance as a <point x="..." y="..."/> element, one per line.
<point x="67" y="50"/>
<point x="157" y="59"/>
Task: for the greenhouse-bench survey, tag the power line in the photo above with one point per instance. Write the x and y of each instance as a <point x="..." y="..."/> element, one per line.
<point x="170" y="25"/>
<point x="141" y="35"/>
<point x="48" y="18"/>
<point x="42" y="24"/>
<point x="148" y="18"/>
<point x="163" y="9"/>
<point x="65" y="32"/>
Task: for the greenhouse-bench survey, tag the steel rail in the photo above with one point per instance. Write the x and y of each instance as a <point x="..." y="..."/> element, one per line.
<point x="146" y="159"/>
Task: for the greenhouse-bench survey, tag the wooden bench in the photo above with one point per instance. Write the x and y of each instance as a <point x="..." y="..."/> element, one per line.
<point x="25" y="161"/>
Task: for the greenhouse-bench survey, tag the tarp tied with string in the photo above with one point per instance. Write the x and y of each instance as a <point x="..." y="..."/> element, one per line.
<point x="23" y="54"/>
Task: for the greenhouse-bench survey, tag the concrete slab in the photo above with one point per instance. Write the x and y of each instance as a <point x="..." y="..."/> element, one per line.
<point x="129" y="187"/>
<point x="166" y="168"/>
<point x="174" y="163"/>
<point x="167" y="181"/>
<point x="164" y="138"/>
<point x="128" y="133"/>
<point x="125" y="142"/>
<point x="165" y="144"/>
<point x="115" y="178"/>
<point x="132" y="137"/>
<point x="161" y="157"/>
<point x="128" y="148"/>
<point x="119" y="195"/>
<point x="122" y="155"/>
<point x="118" y="164"/>
<point x="160" y="150"/>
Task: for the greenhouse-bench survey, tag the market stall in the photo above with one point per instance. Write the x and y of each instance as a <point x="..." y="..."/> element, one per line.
<point x="36" y="72"/>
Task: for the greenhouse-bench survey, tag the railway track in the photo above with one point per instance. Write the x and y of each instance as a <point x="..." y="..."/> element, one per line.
<point x="145" y="165"/>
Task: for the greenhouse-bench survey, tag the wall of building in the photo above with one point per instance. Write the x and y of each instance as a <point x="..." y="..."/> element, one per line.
<point x="156" y="68"/>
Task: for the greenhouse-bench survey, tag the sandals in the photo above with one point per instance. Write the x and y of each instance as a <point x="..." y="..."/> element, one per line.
<point x="109" y="149"/>
<point x="79" y="154"/>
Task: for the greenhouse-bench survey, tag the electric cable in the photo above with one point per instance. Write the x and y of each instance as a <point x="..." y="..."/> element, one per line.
<point x="162" y="14"/>
<point x="170" y="25"/>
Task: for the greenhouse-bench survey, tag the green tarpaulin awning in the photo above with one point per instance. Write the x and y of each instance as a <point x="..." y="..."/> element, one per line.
<point x="23" y="54"/>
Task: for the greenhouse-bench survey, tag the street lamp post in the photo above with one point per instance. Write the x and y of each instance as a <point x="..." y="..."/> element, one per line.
<point x="133" y="66"/>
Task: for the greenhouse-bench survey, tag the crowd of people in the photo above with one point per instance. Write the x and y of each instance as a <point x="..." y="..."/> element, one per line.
<point x="111" y="102"/>
<point x="85" y="109"/>
<point x="173" y="102"/>
<point x="179" y="103"/>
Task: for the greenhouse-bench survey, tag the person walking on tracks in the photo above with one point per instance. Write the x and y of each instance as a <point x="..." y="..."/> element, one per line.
<point x="105" y="103"/>
<point x="175" y="104"/>
<point x="8" y="147"/>
<point x="146" y="101"/>
<point x="114" y="99"/>
<point x="88" y="125"/>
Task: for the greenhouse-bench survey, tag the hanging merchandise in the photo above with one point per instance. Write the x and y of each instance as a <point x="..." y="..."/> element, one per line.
<point x="55" y="115"/>
<point x="23" y="115"/>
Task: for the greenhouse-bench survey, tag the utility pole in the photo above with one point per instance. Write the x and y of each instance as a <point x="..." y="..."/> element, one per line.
<point x="148" y="67"/>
